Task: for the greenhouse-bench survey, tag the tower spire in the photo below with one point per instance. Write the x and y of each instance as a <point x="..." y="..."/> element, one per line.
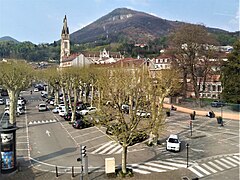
<point x="65" y="40"/>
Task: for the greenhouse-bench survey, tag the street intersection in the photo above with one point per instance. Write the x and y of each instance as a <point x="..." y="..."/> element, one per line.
<point x="45" y="140"/>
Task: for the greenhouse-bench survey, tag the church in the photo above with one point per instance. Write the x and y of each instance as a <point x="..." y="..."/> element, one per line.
<point x="84" y="58"/>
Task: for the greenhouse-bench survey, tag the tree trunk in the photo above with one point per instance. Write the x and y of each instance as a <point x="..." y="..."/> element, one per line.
<point x="74" y="104"/>
<point x="13" y="96"/>
<point x="184" y="90"/>
<point x="92" y="94"/>
<point x="124" y="159"/>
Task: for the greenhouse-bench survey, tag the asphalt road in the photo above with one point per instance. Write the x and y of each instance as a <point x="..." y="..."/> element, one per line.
<point x="50" y="141"/>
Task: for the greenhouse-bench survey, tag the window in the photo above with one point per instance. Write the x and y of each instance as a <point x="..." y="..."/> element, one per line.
<point x="65" y="45"/>
<point x="219" y="88"/>
<point x="213" y="88"/>
<point x="209" y="87"/>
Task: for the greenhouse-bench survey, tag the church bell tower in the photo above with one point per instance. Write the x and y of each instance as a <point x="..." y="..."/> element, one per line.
<point x="65" y="40"/>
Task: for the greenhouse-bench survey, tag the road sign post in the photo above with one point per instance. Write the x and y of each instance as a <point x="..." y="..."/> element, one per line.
<point x="187" y="145"/>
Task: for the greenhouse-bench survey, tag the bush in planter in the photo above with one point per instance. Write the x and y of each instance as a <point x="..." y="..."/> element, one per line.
<point x="219" y="119"/>
<point x="129" y="173"/>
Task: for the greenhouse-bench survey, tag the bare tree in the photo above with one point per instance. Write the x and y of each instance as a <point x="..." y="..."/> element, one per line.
<point x="161" y="84"/>
<point x="15" y="76"/>
<point x="121" y="86"/>
<point x="190" y="43"/>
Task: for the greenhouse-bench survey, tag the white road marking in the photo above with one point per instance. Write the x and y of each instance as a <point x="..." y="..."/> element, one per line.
<point x="140" y="171"/>
<point x="171" y="163"/>
<point x="160" y="165"/>
<point x="147" y="168"/>
<point x="236" y="157"/>
<point x="203" y="170"/>
<point x="222" y="164"/>
<point x="195" y="172"/>
<point x="230" y="163"/>
<point x="102" y="147"/>
<point x="119" y="151"/>
<point x="209" y="168"/>
<point x="48" y="133"/>
<point x="233" y="160"/>
<point x="197" y="150"/>
<point x="107" y="149"/>
<point x="216" y="166"/>
<point x="114" y="149"/>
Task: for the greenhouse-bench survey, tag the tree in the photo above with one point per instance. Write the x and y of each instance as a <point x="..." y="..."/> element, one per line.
<point x="123" y="86"/>
<point x="230" y="76"/>
<point x="15" y="76"/>
<point x="190" y="44"/>
<point x="161" y="84"/>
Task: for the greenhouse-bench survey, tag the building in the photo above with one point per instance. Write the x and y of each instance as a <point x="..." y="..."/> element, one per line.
<point x="83" y="58"/>
<point x="65" y="41"/>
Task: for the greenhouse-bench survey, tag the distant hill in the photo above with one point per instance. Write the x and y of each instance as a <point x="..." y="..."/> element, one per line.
<point x="126" y="24"/>
<point x="8" y="38"/>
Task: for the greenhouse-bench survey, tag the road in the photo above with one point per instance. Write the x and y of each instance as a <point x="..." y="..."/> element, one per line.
<point x="49" y="141"/>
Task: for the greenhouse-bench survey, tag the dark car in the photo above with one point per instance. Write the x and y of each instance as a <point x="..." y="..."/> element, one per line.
<point x="217" y="103"/>
<point x="68" y="116"/>
<point x="80" y="124"/>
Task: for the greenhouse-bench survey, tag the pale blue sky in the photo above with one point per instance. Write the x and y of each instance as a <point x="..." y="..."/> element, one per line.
<point x="40" y="21"/>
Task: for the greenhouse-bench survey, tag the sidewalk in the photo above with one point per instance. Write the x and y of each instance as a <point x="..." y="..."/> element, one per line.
<point x="203" y="111"/>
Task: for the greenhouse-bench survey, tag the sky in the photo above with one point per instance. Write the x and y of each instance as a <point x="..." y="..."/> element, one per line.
<point x="40" y="21"/>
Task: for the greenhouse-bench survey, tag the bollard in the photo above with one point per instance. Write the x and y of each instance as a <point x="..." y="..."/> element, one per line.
<point x="56" y="171"/>
<point x="72" y="171"/>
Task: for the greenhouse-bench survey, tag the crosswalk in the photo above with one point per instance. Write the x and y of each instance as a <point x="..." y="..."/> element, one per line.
<point x="216" y="165"/>
<point x="110" y="147"/>
<point x="158" y="166"/>
<point x="42" y="122"/>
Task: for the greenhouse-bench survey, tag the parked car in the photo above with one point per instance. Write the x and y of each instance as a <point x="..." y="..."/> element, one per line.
<point x="80" y="124"/>
<point x="35" y="89"/>
<point x="18" y="111"/>
<point x="42" y="107"/>
<point x="62" y="112"/>
<point x="89" y="110"/>
<point x="217" y="104"/>
<point x="2" y="101"/>
<point x="56" y="110"/>
<point x="143" y="114"/>
<point x="68" y="116"/>
<point x="173" y="143"/>
<point x="7" y="101"/>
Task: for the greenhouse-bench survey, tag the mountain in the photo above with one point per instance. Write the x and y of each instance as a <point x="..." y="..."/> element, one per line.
<point x="123" y="23"/>
<point x="8" y="38"/>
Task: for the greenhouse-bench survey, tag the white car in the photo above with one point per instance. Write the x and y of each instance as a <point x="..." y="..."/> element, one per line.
<point x="57" y="109"/>
<point x="89" y="110"/>
<point x="62" y="112"/>
<point x="19" y="111"/>
<point x="173" y="143"/>
<point x="35" y="89"/>
<point x="143" y="114"/>
<point x="42" y="107"/>
<point x="1" y="101"/>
